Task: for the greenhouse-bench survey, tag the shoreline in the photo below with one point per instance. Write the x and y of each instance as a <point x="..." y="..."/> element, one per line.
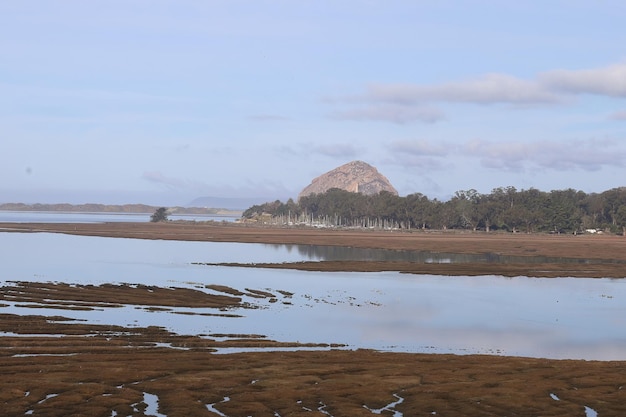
<point x="597" y="256"/>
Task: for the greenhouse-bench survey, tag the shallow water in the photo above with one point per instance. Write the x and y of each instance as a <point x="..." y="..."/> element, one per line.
<point x="554" y="318"/>
<point x="338" y="253"/>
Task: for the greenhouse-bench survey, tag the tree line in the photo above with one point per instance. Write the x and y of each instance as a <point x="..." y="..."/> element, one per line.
<point x="505" y="208"/>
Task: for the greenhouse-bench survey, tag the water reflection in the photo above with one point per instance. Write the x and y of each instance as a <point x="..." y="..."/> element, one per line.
<point x="556" y="318"/>
<point x="338" y="253"/>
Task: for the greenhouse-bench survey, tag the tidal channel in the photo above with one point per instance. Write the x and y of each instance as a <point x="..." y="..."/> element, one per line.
<point x="575" y="318"/>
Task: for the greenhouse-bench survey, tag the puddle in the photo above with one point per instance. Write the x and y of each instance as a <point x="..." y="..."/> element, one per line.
<point x="554" y="397"/>
<point x="229" y="350"/>
<point x="590" y="412"/>
<point x="34" y="355"/>
<point x="389" y="407"/>
<point x="322" y="410"/>
<point x="150" y="403"/>
<point x="211" y="407"/>
<point x="47" y="398"/>
<point x="11" y="334"/>
<point x="30" y="412"/>
<point x="169" y="346"/>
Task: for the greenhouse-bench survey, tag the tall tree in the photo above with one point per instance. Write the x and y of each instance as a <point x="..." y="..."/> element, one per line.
<point x="621" y="218"/>
<point x="466" y="205"/>
<point x="418" y="210"/>
<point x="614" y="199"/>
<point x="160" y="215"/>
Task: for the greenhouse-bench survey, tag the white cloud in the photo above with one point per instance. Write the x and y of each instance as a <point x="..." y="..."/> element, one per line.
<point x="158" y="178"/>
<point x="590" y="155"/>
<point x="422" y="147"/>
<point x="607" y="81"/>
<point x="573" y="155"/>
<point x="268" y="118"/>
<point x="398" y="114"/>
<point x="421" y="155"/>
<point x="488" y="89"/>
<point x="305" y="150"/>
<point x="402" y="103"/>
<point x="620" y="115"/>
<point x="174" y="184"/>
<point x="420" y="164"/>
<point x="341" y="150"/>
<point x="194" y="188"/>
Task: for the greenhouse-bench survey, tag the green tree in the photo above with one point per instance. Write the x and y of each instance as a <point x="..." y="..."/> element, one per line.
<point x="160" y="215"/>
<point x="489" y="210"/>
<point x="562" y="211"/>
<point x="466" y="203"/>
<point x="614" y="199"/>
<point x="620" y="218"/>
<point x="445" y="215"/>
<point x="418" y="210"/>
<point x="592" y="207"/>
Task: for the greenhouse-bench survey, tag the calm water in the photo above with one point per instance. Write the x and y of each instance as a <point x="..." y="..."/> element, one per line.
<point x="555" y="318"/>
<point x="338" y="253"/>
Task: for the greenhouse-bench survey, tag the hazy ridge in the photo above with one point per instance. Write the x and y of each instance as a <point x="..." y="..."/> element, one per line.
<point x="114" y="208"/>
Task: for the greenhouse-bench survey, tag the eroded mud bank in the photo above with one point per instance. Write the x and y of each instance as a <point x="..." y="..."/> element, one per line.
<point x="106" y="376"/>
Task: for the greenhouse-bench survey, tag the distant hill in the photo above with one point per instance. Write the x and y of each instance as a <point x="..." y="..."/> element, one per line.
<point x="115" y="208"/>
<point x="355" y="176"/>
<point x="85" y="208"/>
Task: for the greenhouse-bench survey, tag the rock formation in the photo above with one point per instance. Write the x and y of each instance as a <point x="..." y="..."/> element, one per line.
<point x="355" y="176"/>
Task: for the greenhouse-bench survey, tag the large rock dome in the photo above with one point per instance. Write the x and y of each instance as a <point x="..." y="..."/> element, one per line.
<point x="355" y="176"/>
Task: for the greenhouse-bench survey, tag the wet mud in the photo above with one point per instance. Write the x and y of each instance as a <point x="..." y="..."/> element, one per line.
<point x="71" y="375"/>
<point x="89" y="297"/>
<point x="555" y="270"/>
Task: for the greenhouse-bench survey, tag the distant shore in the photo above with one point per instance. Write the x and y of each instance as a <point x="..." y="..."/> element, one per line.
<point x="116" y="209"/>
<point x="593" y="256"/>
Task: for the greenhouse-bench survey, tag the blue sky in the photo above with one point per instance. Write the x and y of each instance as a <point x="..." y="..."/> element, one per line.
<point x="161" y="102"/>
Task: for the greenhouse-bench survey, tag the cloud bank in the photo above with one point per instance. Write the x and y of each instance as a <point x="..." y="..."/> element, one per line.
<point x="609" y="81"/>
<point x="488" y="89"/>
<point x="391" y="113"/>
<point x="620" y="115"/>
<point x="572" y="155"/>
<point x="403" y="103"/>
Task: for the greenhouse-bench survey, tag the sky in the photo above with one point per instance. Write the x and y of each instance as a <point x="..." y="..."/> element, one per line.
<point x="161" y="102"/>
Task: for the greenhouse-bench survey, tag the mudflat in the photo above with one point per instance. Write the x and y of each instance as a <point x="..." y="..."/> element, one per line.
<point x="54" y="366"/>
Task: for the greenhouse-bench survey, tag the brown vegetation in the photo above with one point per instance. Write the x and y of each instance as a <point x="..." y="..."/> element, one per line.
<point x="103" y="377"/>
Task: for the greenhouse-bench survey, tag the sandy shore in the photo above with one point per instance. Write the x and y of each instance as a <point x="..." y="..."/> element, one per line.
<point x="53" y="366"/>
